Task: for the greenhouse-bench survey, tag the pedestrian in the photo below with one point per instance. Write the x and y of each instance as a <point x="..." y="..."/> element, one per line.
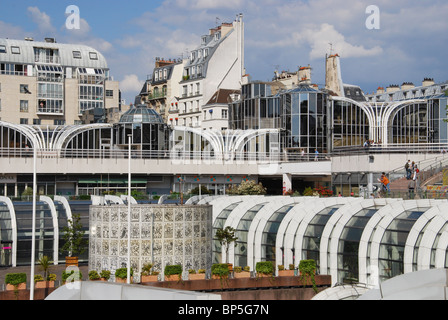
<point x="385" y="182"/>
<point x="407" y="166"/>
<point x="415" y="177"/>
<point x="303" y="154"/>
<point x="316" y="155"/>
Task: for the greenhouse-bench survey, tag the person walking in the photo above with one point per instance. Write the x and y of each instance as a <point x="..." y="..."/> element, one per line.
<point x="407" y="166"/>
<point x="411" y="188"/>
<point x="385" y="182"/>
<point x="316" y="155"/>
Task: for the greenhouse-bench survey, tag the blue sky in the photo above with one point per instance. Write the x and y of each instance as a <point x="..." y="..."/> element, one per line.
<point x="410" y="44"/>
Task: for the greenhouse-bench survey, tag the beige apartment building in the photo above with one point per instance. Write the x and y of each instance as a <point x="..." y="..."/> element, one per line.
<point x="48" y="83"/>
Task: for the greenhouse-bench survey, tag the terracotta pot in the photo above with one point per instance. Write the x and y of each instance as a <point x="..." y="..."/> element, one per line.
<point x="152" y="278"/>
<point x="71" y="261"/>
<point x="242" y="274"/>
<point x="263" y="275"/>
<point x="285" y="273"/>
<point x="44" y="284"/>
<point x="197" y="276"/>
<point x="173" y="277"/>
<point x="20" y="286"/>
<point x="219" y="277"/>
<point x="125" y="280"/>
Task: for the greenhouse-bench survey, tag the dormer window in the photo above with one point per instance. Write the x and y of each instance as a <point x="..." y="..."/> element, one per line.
<point x="76" y="54"/>
<point x="93" y="56"/>
<point x="15" y="50"/>
<point x="204" y="39"/>
<point x="217" y="36"/>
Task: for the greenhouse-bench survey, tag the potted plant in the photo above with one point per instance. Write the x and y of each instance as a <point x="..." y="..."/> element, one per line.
<point x="307" y="270"/>
<point x="71" y="276"/>
<point x="105" y="275"/>
<point x="41" y="283"/>
<point x="225" y="237"/>
<point x="264" y="269"/>
<point x="75" y="243"/>
<point x="282" y="272"/>
<point x="94" y="275"/>
<point x="147" y="275"/>
<point x="15" y="281"/>
<point x="239" y="272"/>
<point x="220" y="271"/>
<point x="200" y="275"/>
<point x="121" y="275"/>
<point x="173" y="272"/>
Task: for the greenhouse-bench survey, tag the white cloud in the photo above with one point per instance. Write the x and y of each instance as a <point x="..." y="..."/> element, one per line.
<point x="42" y="20"/>
<point x="131" y="83"/>
<point x="320" y="40"/>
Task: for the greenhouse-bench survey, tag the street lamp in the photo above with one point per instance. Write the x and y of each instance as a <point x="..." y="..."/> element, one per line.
<point x="33" y="231"/>
<point x="129" y="211"/>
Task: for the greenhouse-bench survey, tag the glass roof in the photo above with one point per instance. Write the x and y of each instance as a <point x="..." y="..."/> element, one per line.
<point x="141" y="114"/>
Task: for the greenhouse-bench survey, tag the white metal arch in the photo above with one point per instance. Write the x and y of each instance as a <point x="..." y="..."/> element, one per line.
<point x="284" y="242"/>
<point x="67" y="134"/>
<point x="235" y="217"/>
<point x="12" y="213"/>
<point x="310" y="213"/>
<point x="30" y="132"/>
<point x="435" y="220"/>
<point x="257" y="226"/>
<point x="54" y="216"/>
<point x="333" y="231"/>
<point x="397" y="208"/>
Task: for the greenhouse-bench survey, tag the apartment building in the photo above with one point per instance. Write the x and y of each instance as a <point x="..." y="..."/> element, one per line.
<point x="217" y="63"/>
<point x="49" y="83"/>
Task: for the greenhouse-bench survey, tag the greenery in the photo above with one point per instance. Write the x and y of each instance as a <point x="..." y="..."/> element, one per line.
<point x="15" y="278"/>
<point x="249" y="187"/>
<point x="51" y="277"/>
<point x="191" y="271"/>
<point x="309" y="192"/>
<point x="93" y="275"/>
<point x="201" y="271"/>
<point x="204" y="190"/>
<point x="281" y="267"/>
<point x="291" y="266"/>
<point x="122" y="273"/>
<point x="307" y="270"/>
<point x="105" y="274"/>
<point x="225" y="237"/>
<point x="73" y="234"/>
<point x="67" y="274"/>
<point x="27" y="192"/>
<point x="221" y="270"/>
<point x="45" y="264"/>
<point x="146" y="269"/>
<point x="173" y="269"/>
<point x="238" y="269"/>
<point x="246" y="268"/>
<point x="264" y="267"/>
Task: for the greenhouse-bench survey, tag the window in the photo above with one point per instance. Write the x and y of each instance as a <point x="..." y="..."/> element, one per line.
<point x="93" y="56"/>
<point x="24" y="88"/>
<point x="23" y="121"/>
<point x="224" y="114"/>
<point x="109" y="93"/>
<point x="2" y="49"/>
<point x="37" y="122"/>
<point x="59" y="122"/>
<point x="15" y="50"/>
<point x="77" y="55"/>
<point x="23" y="105"/>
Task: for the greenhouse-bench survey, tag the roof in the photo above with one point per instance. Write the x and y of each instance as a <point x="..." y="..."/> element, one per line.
<point x="221" y="96"/>
<point x="141" y="114"/>
<point x="88" y="57"/>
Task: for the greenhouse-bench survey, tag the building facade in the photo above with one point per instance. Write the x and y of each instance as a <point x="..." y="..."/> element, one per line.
<point x="48" y="83"/>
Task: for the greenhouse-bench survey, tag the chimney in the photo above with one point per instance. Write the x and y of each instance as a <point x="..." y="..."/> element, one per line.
<point x="407" y="86"/>
<point x="380" y="90"/>
<point x="392" y="88"/>
<point x="428" y="82"/>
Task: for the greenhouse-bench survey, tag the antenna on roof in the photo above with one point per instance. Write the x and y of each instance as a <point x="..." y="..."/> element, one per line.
<point x="331" y="48"/>
<point x="217" y="21"/>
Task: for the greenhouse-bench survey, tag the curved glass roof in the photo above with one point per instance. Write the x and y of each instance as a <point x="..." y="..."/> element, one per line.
<point x="141" y="114"/>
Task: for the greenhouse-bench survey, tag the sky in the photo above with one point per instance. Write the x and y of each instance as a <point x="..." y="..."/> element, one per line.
<point x="390" y="43"/>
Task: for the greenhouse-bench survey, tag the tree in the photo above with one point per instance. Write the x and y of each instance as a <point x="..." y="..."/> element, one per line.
<point x="45" y="264"/>
<point x="75" y="244"/>
<point x="226" y="236"/>
<point x="247" y="188"/>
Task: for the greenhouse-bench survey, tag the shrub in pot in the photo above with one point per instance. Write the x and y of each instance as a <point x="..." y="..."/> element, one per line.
<point x="15" y="281"/>
<point x="307" y="270"/>
<point x="121" y="275"/>
<point x="264" y="269"/>
<point x="220" y="271"/>
<point x="173" y="272"/>
<point x="94" y="275"/>
<point x="147" y="275"/>
<point x="105" y="275"/>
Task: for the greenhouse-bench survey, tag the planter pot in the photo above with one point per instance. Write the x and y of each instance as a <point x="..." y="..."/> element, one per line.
<point x="71" y="261"/>
<point x="198" y="276"/>
<point x="104" y="279"/>
<point x="173" y="277"/>
<point x="153" y="278"/>
<point x="125" y="280"/>
<point x="230" y="265"/>
<point x="264" y="275"/>
<point x="286" y="273"/>
<point x="20" y="286"/>
<point x="243" y="274"/>
<point x="44" y="284"/>
<point x="219" y="277"/>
